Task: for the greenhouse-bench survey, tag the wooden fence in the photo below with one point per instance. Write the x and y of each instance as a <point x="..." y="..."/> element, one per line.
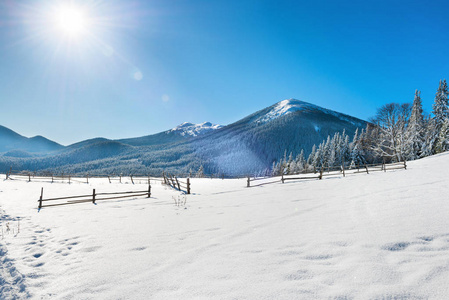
<point x="90" y="198"/>
<point x="325" y="172"/>
<point x="174" y="182"/>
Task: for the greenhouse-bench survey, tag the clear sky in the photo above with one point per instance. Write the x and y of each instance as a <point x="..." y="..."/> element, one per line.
<point x="133" y="67"/>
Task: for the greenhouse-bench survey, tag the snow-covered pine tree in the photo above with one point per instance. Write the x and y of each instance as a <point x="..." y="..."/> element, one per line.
<point x="318" y="160"/>
<point x="289" y="164"/>
<point x="332" y="154"/>
<point x="200" y="173"/>
<point x="443" y="138"/>
<point x="301" y="161"/>
<point x="311" y="158"/>
<point x="430" y="137"/>
<point x="440" y="111"/>
<point x="415" y="130"/>
<point x="440" y="107"/>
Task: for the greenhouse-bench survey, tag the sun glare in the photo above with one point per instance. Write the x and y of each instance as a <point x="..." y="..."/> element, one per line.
<point x="71" y="20"/>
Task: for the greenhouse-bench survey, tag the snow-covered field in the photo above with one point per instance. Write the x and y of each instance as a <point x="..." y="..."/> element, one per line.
<point x="366" y="236"/>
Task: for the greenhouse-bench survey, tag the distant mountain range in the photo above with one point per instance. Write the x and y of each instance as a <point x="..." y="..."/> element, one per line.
<point x="12" y="141"/>
<point x="248" y="145"/>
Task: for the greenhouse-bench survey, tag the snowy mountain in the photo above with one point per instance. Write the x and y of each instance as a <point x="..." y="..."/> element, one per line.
<point x="246" y="146"/>
<point x="180" y="133"/>
<point x="189" y="129"/>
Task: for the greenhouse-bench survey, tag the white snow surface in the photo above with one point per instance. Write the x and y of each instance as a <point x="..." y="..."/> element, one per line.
<point x="365" y="236"/>
<point x="191" y="129"/>
<point x="288" y="106"/>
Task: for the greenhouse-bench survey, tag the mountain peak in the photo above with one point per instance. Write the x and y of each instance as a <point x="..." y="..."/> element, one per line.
<point x="288" y="106"/>
<point x="191" y="129"/>
<point x="283" y="108"/>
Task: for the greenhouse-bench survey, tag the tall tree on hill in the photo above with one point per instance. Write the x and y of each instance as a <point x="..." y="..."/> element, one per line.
<point x="440" y="106"/>
<point x="415" y="132"/>
<point x="443" y="138"/>
<point x="440" y="113"/>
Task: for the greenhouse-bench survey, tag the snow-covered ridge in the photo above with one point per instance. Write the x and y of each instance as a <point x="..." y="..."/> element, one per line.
<point x="288" y="106"/>
<point x="191" y="129"/>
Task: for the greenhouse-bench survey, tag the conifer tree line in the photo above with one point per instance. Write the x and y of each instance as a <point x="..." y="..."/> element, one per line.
<point x="396" y="133"/>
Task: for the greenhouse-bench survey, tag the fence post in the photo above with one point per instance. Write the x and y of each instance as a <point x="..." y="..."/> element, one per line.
<point x="188" y="186"/>
<point x="366" y="167"/>
<point x="149" y="190"/>
<point x="383" y="165"/>
<point x="177" y="182"/>
<point x="282" y="178"/>
<point x="248" y="182"/>
<point x="132" y="179"/>
<point x="109" y="178"/>
<point x="343" y="166"/>
<point x="120" y="178"/>
<point x="87" y="178"/>
<point x="69" y="179"/>
<point x="29" y="177"/>
<point x="40" y="199"/>
<point x="51" y="177"/>
<point x="93" y="197"/>
<point x="405" y="164"/>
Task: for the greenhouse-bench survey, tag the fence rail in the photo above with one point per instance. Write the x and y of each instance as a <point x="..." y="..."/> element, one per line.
<point x="90" y="198"/>
<point x="331" y="171"/>
<point x="174" y="182"/>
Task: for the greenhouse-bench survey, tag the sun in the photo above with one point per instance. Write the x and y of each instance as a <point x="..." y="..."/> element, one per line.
<point x="70" y="20"/>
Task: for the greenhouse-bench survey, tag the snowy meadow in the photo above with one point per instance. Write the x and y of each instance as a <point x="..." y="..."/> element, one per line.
<point x="383" y="235"/>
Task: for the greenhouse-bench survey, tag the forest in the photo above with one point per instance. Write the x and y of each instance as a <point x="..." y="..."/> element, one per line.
<point x="396" y="133"/>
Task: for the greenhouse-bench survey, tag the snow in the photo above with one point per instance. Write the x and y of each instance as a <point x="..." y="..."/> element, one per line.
<point x="365" y="236"/>
<point x="288" y="106"/>
<point x="191" y="129"/>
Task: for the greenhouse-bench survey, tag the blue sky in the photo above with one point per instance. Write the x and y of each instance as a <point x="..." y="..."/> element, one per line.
<point x="142" y="67"/>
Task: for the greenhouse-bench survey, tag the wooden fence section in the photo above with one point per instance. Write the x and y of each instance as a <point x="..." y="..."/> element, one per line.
<point x="326" y="172"/>
<point x="90" y="198"/>
<point x="174" y="182"/>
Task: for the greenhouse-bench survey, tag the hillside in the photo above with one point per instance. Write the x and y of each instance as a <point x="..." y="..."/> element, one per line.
<point x="365" y="236"/>
<point x="10" y="140"/>
<point x="246" y="146"/>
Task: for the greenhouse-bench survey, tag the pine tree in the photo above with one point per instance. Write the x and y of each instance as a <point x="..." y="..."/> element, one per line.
<point x="440" y="114"/>
<point x="443" y="138"/>
<point x="430" y="137"/>
<point x="200" y="173"/>
<point x="311" y="159"/>
<point x="440" y="106"/>
<point x="415" y="134"/>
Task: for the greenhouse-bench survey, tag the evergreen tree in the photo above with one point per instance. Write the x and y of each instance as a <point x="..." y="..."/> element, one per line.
<point x="415" y="134"/>
<point x="440" y="113"/>
<point x="430" y="137"/>
<point x="440" y="106"/>
<point x="443" y="138"/>
<point x="311" y="159"/>
<point x="200" y="173"/>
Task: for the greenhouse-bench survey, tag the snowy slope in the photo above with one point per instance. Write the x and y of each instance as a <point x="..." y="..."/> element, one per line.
<point x="289" y="106"/>
<point x="366" y="236"/>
